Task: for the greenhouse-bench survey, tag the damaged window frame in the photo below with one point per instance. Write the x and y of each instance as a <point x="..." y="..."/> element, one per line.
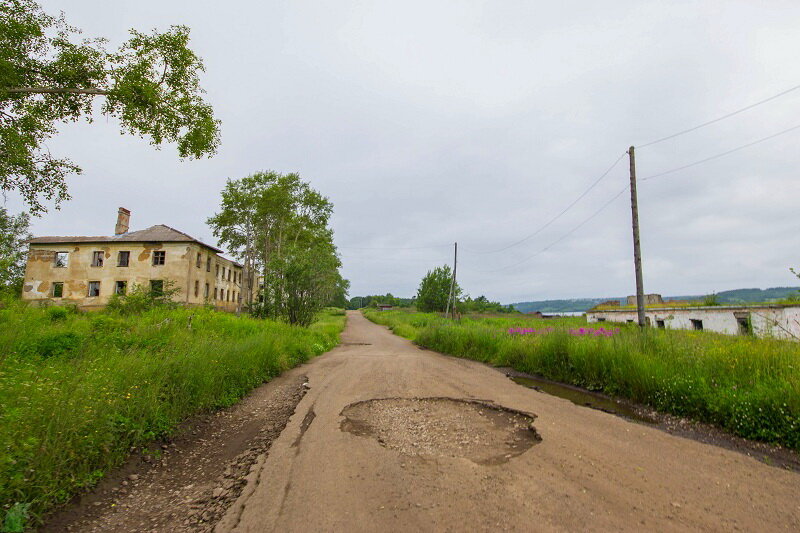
<point x="58" y="289"/>
<point x="94" y="287"/>
<point x="121" y="287"/>
<point x="98" y="258"/>
<point x="159" y="257"/>
<point x="157" y="287"/>
<point x="123" y="258"/>
<point x="61" y="260"/>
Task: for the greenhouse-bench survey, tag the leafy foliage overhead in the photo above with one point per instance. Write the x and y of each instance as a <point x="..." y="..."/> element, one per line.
<point x="48" y="76"/>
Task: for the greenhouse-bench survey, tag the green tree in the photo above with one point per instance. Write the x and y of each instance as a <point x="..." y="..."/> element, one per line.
<point x="14" y="232"/>
<point x="49" y="76"/>
<point x="434" y="290"/>
<point x="278" y="225"/>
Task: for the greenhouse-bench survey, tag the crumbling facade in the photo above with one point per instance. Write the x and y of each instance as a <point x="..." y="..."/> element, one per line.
<point x="87" y="271"/>
<point x="777" y="321"/>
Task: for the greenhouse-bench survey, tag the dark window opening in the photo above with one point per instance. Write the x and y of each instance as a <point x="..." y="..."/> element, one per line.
<point x="121" y="287"/>
<point x="123" y="259"/>
<point x="216" y="272"/>
<point x="196" y="288"/>
<point x="630" y="321"/>
<point x="62" y="259"/>
<point x="199" y="259"/>
<point x="157" y="287"/>
<point x="661" y="324"/>
<point x="97" y="259"/>
<point x="58" y="289"/>
<point x="229" y="274"/>
<point x="697" y="324"/>
<point x="601" y="319"/>
<point x="208" y="264"/>
<point x="216" y="291"/>
<point x="744" y="323"/>
<point x="205" y="294"/>
<point x="159" y="257"/>
<point x="94" y="288"/>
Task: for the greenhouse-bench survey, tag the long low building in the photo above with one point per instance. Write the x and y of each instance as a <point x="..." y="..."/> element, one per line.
<point x="778" y="321"/>
<point x="87" y="271"/>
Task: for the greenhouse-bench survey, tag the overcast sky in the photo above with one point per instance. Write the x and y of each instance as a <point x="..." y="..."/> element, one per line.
<point x="432" y="122"/>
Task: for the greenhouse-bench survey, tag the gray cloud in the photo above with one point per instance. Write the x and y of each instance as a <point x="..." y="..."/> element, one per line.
<point x="430" y="122"/>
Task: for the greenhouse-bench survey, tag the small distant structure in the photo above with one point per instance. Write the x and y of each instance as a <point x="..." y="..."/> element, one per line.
<point x="649" y="299"/>
<point x="385" y="307"/>
<point x="766" y="320"/>
<point x="535" y="314"/>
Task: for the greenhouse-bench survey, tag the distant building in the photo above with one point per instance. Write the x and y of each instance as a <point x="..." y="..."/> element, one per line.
<point x="87" y="271"/>
<point x="779" y="321"/>
<point x="385" y="307"/>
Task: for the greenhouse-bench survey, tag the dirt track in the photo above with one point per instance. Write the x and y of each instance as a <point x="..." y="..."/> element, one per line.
<point x="400" y="465"/>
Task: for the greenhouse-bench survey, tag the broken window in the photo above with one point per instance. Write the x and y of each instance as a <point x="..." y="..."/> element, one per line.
<point x="94" y="289"/>
<point x="97" y="259"/>
<point x="159" y="257"/>
<point x="196" y="288"/>
<point x="661" y="324"/>
<point x="199" y="259"/>
<point x="744" y="323"/>
<point x="58" y="289"/>
<point x="61" y="260"/>
<point x="157" y="287"/>
<point x="697" y="324"/>
<point x="123" y="259"/>
<point x="121" y="287"/>
<point x="208" y="264"/>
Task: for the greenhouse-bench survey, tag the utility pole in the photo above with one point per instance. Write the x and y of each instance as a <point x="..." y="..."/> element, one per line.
<point x="637" y="250"/>
<point x="452" y="295"/>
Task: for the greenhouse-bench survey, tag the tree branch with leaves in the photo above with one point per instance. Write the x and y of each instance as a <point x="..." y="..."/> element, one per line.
<point x="48" y="77"/>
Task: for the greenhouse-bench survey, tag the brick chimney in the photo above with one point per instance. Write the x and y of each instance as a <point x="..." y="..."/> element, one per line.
<point x="123" y="221"/>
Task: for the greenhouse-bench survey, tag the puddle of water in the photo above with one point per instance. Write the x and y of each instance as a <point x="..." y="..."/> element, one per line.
<point x="582" y="398"/>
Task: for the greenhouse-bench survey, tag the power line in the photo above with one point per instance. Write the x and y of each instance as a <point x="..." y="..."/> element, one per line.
<point x="564" y="236"/>
<point x="559" y="215"/>
<point x="723" y="117"/>
<point x="717" y="156"/>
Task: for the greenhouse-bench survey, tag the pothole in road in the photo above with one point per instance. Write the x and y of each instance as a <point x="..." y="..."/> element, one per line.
<point x="443" y="427"/>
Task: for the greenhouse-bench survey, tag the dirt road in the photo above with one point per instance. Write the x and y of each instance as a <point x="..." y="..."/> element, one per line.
<point x="423" y="459"/>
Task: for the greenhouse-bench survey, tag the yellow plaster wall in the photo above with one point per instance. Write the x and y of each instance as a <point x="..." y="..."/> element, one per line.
<point x="41" y="272"/>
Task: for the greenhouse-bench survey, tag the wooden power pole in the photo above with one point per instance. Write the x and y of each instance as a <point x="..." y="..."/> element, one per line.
<point x="637" y="250"/>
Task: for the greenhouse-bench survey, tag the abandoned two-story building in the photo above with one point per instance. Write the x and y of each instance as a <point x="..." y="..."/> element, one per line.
<point x="87" y="271"/>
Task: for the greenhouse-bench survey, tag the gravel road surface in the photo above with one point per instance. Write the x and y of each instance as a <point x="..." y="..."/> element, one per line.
<point x="390" y="437"/>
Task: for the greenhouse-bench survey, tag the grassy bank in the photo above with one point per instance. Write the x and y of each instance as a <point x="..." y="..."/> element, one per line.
<point x="77" y="391"/>
<point x="747" y="385"/>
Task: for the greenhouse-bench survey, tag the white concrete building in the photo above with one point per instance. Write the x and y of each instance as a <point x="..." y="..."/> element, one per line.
<point x="779" y="321"/>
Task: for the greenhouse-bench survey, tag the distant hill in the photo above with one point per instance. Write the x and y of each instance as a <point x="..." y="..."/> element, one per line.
<point x="735" y="296"/>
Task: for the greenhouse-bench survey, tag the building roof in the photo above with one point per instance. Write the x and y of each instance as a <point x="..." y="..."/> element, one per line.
<point x="157" y="233"/>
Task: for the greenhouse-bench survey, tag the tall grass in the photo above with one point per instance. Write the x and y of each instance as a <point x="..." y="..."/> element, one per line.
<point x="78" y="391"/>
<point x="747" y="385"/>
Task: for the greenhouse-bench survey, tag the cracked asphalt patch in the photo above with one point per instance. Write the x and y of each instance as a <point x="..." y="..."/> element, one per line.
<point x="443" y="427"/>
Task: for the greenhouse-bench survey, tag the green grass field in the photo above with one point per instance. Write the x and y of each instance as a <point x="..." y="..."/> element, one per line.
<point x="747" y="385"/>
<point x="77" y="391"/>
